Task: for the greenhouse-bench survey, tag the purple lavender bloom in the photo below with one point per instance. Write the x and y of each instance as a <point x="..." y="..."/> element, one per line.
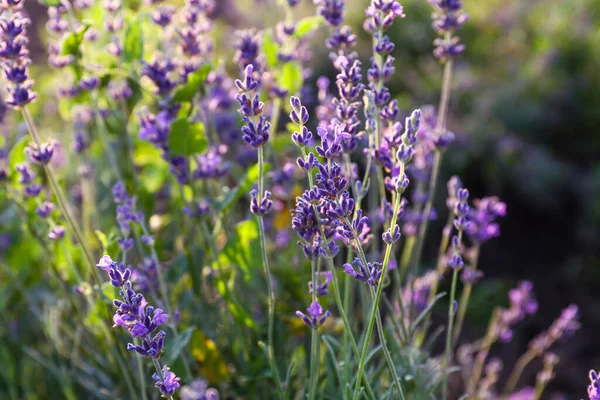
<point x="265" y="203"/>
<point x="89" y="83"/>
<point x="167" y="383"/>
<point x="42" y="154"/>
<point x="162" y="16"/>
<point x="594" y="387"/>
<point x="391" y="236"/>
<point x="342" y="38"/>
<point x="370" y="274"/>
<point x="448" y="17"/>
<point x="331" y="141"/>
<point x="471" y="276"/>
<point x="304" y="220"/>
<point x="158" y="71"/>
<point x="140" y="320"/>
<point x="198" y="390"/>
<point x="32" y="190"/>
<point x="14" y="60"/>
<point x="418" y="292"/>
<point x="522" y="303"/>
<point x="323" y="286"/>
<point x="331" y="10"/>
<point x="119" y="90"/>
<point x="563" y="327"/>
<point x="316" y="317"/>
<point x="45" y="209"/>
<point x="56" y="233"/>
<point x="255" y="132"/>
<point x="482" y="225"/>
<point x="382" y="14"/>
<point x="247" y="45"/>
<point x="26" y="175"/>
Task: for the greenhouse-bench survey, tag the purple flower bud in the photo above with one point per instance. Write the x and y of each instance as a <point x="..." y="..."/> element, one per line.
<point x="40" y="155"/>
<point x="391" y="236"/>
<point x="45" y="209"/>
<point x="265" y="203"/>
<point x="316" y="317"/>
<point x="56" y="233"/>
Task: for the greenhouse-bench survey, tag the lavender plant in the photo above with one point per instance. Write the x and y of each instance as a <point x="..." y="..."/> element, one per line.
<point x="208" y="171"/>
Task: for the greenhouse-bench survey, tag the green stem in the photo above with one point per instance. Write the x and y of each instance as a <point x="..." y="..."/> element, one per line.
<point x="314" y="360"/>
<point x="336" y="288"/>
<point x="265" y="259"/>
<point x="464" y="299"/>
<point x="449" y="335"/>
<point x="437" y="161"/>
<point x="374" y="312"/>
<point x="62" y="202"/>
<point x="380" y="330"/>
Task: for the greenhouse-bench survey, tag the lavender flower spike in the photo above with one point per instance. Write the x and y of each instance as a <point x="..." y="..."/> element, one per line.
<point x="316" y="317"/>
<point x="594" y="387"/>
<point x="141" y="321"/>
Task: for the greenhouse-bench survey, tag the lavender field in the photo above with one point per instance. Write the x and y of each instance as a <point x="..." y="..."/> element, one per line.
<point x="296" y="199"/>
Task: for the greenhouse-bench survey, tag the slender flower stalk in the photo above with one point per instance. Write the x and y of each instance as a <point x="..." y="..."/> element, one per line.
<point x="256" y="133"/>
<point x="448" y="17"/>
<point x="141" y="321"/>
<point x="399" y="182"/>
<point x="456" y="263"/>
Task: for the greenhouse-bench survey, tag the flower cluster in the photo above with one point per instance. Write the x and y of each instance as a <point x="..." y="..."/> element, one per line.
<point x="128" y="215"/>
<point x="594" y="387"/>
<point x="564" y="326"/>
<point x="448" y="17"/>
<point x="141" y="321"/>
<point x="522" y="303"/>
<point x="256" y="129"/>
<point x="14" y="56"/>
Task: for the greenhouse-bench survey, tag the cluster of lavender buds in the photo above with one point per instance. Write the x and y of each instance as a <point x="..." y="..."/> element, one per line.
<point x="255" y="132"/>
<point x="316" y="316"/>
<point x="448" y="17"/>
<point x="14" y="56"/>
<point x="460" y="224"/>
<point x="522" y="303"/>
<point x="418" y="292"/>
<point x="563" y="327"/>
<point x="482" y="219"/>
<point x="127" y="214"/>
<point x="331" y="10"/>
<point x="195" y="45"/>
<point x="594" y="387"/>
<point x="141" y="321"/>
<point x="198" y="390"/>
<point x="381" y="14"/>
<point x="113" y="24"/>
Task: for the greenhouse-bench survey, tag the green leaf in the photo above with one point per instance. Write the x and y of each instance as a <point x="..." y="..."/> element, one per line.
<point x="177" y="344"/>
<point x="133" y="45"/>
<point x="17" y="153"/>
<point x="103" y="240"/>
<point x="232" y="197"/>
<point x="50" y="3"/>
<point x="187" y="138"/>
<point x="243" y="249"/>
<point x="72" y="41"/>
<point x="270" y="48"/>
<point x="290" y="77"/>
<point x="307" y="25"/>
<point x="195" y="80"/>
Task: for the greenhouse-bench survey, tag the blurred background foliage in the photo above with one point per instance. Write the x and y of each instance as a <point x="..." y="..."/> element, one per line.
<point x="525" y="109"/>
